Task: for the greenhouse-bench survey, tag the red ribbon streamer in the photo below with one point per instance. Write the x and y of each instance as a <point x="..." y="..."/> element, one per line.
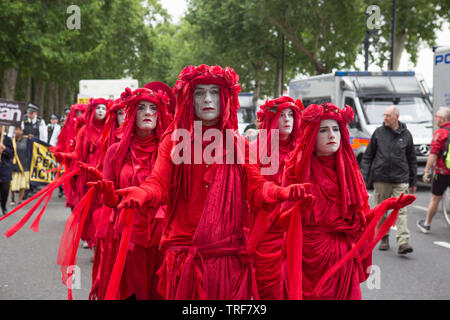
<point x="126" y="219"/>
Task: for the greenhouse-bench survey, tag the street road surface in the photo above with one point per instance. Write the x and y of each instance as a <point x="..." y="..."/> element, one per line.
<point x="28" y="268"/>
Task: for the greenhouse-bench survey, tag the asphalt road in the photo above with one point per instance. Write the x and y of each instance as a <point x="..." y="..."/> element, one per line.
<point x="28" y="268"/>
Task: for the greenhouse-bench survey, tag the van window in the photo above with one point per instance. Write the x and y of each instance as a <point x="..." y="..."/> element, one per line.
<point x="318" y="100"/>
<point x="351" y="102"/>
<point x="412" y="109"/>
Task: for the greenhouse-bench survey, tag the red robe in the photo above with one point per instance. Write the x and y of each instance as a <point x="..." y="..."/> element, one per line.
<point x="143" y="258"/>
<point x="269" y="239"/>
<point x="87" y="149"/>
<point x="204" y="241"/>
<point x="327" y="237"/>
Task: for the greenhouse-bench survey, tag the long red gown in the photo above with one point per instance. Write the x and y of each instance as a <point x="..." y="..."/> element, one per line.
<point x="144" y="257"/>
<point x="204" y="241"/>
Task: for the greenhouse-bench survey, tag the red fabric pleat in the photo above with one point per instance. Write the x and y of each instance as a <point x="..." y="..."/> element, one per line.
<point x="70" y="239"/>
<point x="294" y="248"/>
<point x="125" y="219"/>
<point x="47" y="191"/>
<point x="35" y="225"/>
<point x="365" y="238"/>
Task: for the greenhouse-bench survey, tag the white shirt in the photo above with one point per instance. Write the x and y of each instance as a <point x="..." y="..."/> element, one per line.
<point x="55" y="134"/>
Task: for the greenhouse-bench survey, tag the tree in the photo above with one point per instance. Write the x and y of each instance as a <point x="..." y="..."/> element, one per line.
<point x="416" y="22"/>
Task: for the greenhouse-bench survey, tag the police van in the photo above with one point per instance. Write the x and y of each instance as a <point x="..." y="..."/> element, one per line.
<point x="369" y="94"/>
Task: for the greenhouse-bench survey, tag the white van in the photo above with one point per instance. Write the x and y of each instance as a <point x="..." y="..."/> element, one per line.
<point x="369" y="93"/>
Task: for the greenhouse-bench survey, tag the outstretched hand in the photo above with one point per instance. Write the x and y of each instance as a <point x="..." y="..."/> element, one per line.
<point x="403" y="201"/>
<point x="132" y="198"/>
<point x="93" y="171"/>
<point x="294" y="192"/>
<point x="102" y="186"/>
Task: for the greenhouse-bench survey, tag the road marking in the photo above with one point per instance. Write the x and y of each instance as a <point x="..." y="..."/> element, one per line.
<point x="421" y="208"/>
<point x="442" y="244"/>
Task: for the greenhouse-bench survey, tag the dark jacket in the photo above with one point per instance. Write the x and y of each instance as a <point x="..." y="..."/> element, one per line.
<point x="6" y="160"/>
<point x="390" y="157"/>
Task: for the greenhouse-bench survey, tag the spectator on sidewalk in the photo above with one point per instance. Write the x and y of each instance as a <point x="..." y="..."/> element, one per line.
<point x="53" y="130"/>
<point x="21" y="165"/>
<point x="390" y="162"/>
<point x="6" y="155"/>
<point x="441" y="178"/>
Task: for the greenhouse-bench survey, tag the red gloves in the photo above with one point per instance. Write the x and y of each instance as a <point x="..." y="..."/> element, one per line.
<point x="93" y="171"/>
<point x="402" y="201"/>
<point x="294" y="192"/>
<point x="106" y="187"/>
<point x="132" y="198"/>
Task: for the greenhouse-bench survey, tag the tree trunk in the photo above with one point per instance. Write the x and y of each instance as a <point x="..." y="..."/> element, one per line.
<point x="398" y="49"/>
<point x="277" y="81"/>
<point x="52" y="91"/>
<point x="40" y="94"/>
<point x="9" y="83"/>
<point x="63" y="98"/>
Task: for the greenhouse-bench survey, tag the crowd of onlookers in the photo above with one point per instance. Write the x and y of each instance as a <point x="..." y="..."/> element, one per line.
<point x="16" y="153"/>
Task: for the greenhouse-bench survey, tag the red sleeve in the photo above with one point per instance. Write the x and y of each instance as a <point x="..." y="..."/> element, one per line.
<point x="259" y="191"/>
<point x="158" y="184"/>
<point x="438" y="142"/>
<point x="108" y="164"/>
<point x="76" y="154"/>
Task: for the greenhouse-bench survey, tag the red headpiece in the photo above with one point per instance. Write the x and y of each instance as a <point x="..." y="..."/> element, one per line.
<point x="184" y="88"/>
<point x="269" y="113"/>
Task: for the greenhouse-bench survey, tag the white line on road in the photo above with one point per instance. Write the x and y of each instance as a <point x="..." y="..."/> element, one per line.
<point x="442" y="244"/>
<point x="421" y="208"/>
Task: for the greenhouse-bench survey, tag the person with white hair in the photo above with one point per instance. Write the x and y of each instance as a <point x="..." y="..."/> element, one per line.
<point x="441" y="179"/>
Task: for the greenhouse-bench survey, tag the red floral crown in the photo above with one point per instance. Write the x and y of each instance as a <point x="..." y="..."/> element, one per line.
<point x="129" y="97"/>
<point x="225" y="77"/>
<point x="272" y="107"/>
<point x="315" y="113"/>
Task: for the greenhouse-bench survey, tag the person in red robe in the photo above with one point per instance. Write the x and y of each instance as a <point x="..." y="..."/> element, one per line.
<point x="266" y="240"/>
<point x="127" y="163"/>
<point x="204" y="241"/>
<point x="105" y="244"/>
<point x="66" y="144"/>
<point x="329" y="246"/>
<point x="88" y="151"/>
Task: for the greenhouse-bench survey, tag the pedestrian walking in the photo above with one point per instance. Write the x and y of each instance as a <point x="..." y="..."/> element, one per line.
<point x="441" y="178"/>
<point x="390" y="162"/>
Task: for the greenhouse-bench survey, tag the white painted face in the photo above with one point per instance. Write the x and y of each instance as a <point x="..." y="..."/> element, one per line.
<point x="146" y="116"/>
<point x="120" y="116"/>
<point x="100" y="112"/>
<point x="207" y="102"/>
<point x="286" y="123"/>
<point x="328" y="138"/>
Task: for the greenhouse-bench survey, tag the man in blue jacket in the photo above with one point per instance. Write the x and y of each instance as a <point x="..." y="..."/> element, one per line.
<point x="6" y="157"/>
<point x="390" y="161"/>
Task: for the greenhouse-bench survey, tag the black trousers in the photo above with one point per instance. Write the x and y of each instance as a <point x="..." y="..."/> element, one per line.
<point x="4" y="192"/>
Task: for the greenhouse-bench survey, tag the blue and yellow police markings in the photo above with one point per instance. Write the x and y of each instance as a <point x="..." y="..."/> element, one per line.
<point x="357" y="142"/>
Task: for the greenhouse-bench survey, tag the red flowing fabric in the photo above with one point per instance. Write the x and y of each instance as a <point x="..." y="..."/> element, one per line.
<point x="266" y="236"/>
<point x="337" y="238"/>
<point x="44" y="193"/>
<point x="70" y="239"/>
<point x="131" y="253"/>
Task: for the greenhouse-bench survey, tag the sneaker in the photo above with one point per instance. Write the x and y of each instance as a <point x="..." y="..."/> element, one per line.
<point x="12" y="203"/>
<point x="85" y="245"/>
<point x="421" y="225"/>
<point x="384" y="243"/>
<point x="404" y="249"/>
